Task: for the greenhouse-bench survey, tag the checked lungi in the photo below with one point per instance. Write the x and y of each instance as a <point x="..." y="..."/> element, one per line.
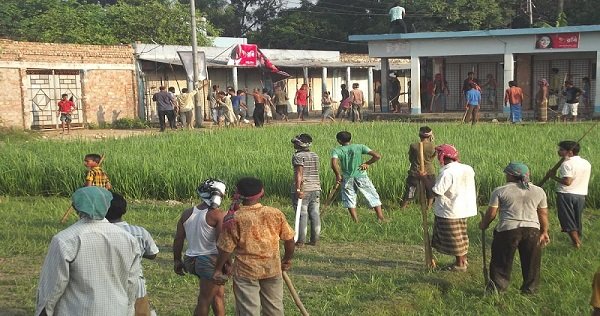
<point x="450" y="236"/>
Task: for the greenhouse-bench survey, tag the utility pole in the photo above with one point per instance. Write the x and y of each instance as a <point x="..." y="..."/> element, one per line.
<point x="198" y="110"/>
<point x="530" y="12"/>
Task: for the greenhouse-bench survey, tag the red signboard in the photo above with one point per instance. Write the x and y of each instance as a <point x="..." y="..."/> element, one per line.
<point x="245" y="55"/>
<point x="560" y="40"/>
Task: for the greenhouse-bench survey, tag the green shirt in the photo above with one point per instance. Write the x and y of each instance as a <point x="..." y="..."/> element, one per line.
<point x="350" y="158"/>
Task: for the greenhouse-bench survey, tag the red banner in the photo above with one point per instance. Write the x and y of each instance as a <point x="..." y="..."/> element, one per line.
<point x="245" y="55"/>
<point x="560" y="40"/>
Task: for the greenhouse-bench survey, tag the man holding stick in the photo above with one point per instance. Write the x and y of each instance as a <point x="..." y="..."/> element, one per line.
<point x="253" y="231"/>
<point x="523" y="224"/>
<point x="416" y="173"/>
<point x="572" y="187"/>
<point x="455" y="201"/>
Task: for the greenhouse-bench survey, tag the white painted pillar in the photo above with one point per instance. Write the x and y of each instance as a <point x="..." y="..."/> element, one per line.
<point x="234" y="74"/>
<point x="509" y="75"/>
<point x="596" y="96"/>
<point x="324" y="79"/>
<point x="415" y="86"/>
<point x="305" y="75"/>
<point x="370" y="91"/>
<point x="385" y="70"/>
<point x="348" y="83"/>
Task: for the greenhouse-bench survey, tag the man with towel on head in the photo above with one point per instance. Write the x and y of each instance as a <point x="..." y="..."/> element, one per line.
<point x="93" y="266"/>
<point x="455" y="201"/>
<point x="523" y="225"/>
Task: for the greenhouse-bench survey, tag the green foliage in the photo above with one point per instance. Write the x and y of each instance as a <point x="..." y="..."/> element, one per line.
<point x="16" y="135"/>
<point x="89" y="23"/>
<point x="562" y="19"/>
<point x="128" y="123"/>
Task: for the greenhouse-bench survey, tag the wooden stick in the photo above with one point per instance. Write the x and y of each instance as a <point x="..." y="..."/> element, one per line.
<point x="294" y="294"/>
<point x="331" y="195"/>
<point x="429" y="262"/>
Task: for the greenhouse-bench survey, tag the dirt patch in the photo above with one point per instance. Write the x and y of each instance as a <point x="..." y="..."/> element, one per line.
<point x="91" y="134"/>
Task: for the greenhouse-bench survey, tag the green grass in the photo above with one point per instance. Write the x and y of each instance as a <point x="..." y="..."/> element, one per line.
<point x="358" y="269"/>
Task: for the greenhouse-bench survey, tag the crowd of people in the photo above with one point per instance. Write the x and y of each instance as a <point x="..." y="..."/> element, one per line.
<point x="101" y="253"/>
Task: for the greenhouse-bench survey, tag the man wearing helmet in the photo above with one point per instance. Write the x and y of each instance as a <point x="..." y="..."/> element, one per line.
<point x="455" y="201"/>
<point x="201" y="226"/>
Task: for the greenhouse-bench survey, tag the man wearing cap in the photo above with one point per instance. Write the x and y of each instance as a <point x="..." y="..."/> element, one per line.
<point x="455" y="201"/>
<point x="523" y="224"/>
<point x="306" y="187"/>
<point x="415" y="174"/>
<point x="93" y="266"/>
<point x="201" y="226"/>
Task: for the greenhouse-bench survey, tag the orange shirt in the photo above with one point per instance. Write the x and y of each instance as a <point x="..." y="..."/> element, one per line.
<point x="255" y="237"/>
<point x="514" y="95"/>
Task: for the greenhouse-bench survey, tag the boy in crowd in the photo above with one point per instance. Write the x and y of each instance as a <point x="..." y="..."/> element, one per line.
<point x="420" y="155"/>
<point x="95" y="175"/>
<point x="201" y="226"/>
<point x="351" y="172"/>
<point x="253" y="231"/>
<point x="65" y="109"/>
<point x="148" y="249"/>
<point x="307" y="187"/>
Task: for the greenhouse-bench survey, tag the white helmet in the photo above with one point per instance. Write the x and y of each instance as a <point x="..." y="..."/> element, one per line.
<point x="211" y="191"/>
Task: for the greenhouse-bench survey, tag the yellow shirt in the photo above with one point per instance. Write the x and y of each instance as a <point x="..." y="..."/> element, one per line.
<point x="255" y="237"/>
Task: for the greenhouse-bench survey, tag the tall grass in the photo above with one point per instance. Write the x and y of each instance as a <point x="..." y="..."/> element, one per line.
<point x="171" y="165"/>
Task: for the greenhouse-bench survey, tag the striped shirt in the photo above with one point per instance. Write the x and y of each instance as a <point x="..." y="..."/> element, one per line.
<point x="97" y="177"/>
<point x="147" y="248"/>
<point x="310" y="171"/>
<point x="92" y="268"/>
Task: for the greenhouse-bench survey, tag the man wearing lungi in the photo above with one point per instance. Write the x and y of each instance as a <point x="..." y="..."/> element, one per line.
<point x="571" y="188"/>
<point x="523" y="225"/>
<point x="455" y="201"/>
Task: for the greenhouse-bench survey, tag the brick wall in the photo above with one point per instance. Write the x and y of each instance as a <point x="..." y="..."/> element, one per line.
<point x="108" y="81"/>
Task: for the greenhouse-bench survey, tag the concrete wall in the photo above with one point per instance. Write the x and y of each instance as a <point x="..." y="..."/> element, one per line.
<point x="107" y="74"/>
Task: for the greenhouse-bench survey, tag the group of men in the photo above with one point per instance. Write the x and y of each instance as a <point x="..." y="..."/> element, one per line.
<point x="172" y="106"/>
<point x="96" y="256"/>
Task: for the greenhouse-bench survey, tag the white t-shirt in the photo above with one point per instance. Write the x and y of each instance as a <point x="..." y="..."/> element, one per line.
<point x="579" y="170"/>
<point x="455" y="189"/>
<point x="396" y="13"/>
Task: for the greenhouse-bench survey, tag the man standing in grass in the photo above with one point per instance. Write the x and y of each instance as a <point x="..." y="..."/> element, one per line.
<point x="455" y="201"/>
<point x="92" y="267"/>
<point x="420" y="154"/>
<point x="253" y="231"/>
<point x="118" y="207"/>
<point x="523" y="225"/>
<point x="513" y="96"/>
<point x="307" y="187"/>
<point x="472" y="106"/>
<point x="572" y="187"/>
<point x="201" y="226"/>
<point x="351" y="172"/>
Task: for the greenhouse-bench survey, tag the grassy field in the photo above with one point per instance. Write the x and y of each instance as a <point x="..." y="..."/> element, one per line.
<point x="358" y="269"/>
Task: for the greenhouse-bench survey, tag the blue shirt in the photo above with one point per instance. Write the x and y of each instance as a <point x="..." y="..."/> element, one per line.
<point x="235" y="102"/>
<point x="473" y="97"/>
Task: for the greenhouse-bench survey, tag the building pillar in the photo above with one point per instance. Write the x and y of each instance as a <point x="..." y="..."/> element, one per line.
<point x="596" y="97"/>
<point x="385" y="70"/>
<point x="509" y="75"/>
<point x="348" y="83"/>
<point x="234" y="74"/>
<point x="371" y="92"/>
<point x="324" y="79"/>
<point x="305" y="74"/>
<point x="415" y="86"/>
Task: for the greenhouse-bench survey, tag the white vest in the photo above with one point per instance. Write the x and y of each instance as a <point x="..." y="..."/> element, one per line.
<point x="200" y="236"/>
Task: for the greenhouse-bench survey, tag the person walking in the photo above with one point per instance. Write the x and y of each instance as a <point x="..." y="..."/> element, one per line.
<point x="571" y="189"/>
<point x="473" y="97"/>
<point x="358" y="101"/>
<point x="301" y="100"/>
<point x="326" y="104"/>
<point x="397" y="14"/>
<point x="455" y="201"/>
<point x="522" y="225"/>
<point x="281" y="103"/>
<point x="307" y="188"/>
<point x="253" y="231"/>
<point x="186" y="107"/>
<point x="513" y="96"/>
<point x="351" y="173"/>
<point x="259" y="108"/>
<point x="201" y="225"/>
<point x="64" y="112"/>
<point x="215" y="108"/>
<point x="342" y="110"/>
<point x="415" y="174"/>
<point x="164" y="107"/>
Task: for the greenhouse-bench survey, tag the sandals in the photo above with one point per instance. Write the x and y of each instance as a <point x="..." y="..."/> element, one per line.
<point x="455" y="268"/>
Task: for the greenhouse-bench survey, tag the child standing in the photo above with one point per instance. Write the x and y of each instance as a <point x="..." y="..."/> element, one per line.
<point x="326" y="107"/>
<point x="95" y="175"/>
<point x="65" y="109"/>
